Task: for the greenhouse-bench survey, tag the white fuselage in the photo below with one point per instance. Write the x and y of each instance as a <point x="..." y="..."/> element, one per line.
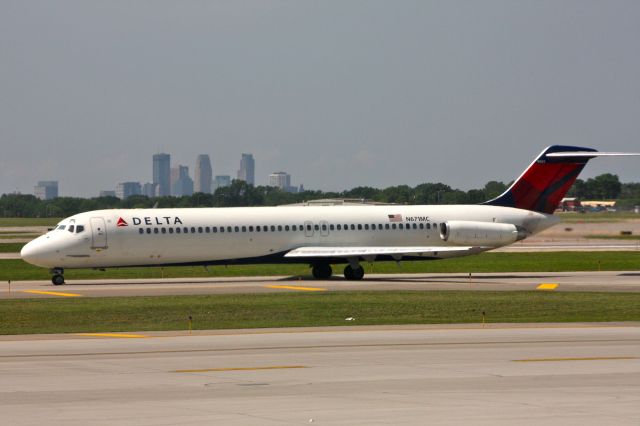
<point x="137" y="237"/>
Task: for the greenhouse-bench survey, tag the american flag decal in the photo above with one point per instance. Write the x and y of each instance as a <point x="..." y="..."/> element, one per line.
<point x="395" y="218"/>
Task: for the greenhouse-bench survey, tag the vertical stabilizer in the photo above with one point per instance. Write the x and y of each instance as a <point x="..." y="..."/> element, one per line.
<point x="546" y="181"/>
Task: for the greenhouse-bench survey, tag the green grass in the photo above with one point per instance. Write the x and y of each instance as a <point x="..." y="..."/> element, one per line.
<point x="11" y="247"/>
<point x="11" y="222"/>
<point x="25" y="316"/>
<point x="486" y="262"/>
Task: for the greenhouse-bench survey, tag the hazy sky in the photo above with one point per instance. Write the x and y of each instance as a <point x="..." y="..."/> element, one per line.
<point x="337" y="93"/>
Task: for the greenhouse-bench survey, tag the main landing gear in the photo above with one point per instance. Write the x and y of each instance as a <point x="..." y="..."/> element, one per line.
<point x="58" y="276"/>
<point x="353" y="274"/>
<point x="323" y="271"/>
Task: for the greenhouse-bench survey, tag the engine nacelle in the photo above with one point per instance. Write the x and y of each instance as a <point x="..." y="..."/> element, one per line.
<point x="468" y="233"/>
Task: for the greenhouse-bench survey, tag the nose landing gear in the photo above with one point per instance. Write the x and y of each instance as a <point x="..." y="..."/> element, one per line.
<point x="58" y="276"/>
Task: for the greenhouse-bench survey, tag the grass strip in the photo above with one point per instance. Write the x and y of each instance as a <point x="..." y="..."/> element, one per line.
<point x="79" y="315"/>
<point x="17" y="270"/>
<point x="11" y="222"/>
<point x="11" y="247"/>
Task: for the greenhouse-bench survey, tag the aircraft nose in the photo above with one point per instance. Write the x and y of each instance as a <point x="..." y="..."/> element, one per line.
<point x="35" y="253"/>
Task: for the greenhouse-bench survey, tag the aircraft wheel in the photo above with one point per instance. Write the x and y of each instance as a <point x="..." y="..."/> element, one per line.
<point x="322" y="271"/>
<point x="57" y="279"/>
<point x="352" y="274"/>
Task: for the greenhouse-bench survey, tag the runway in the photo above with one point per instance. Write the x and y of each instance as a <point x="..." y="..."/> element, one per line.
<point x="404" y="375"/>
<point x="527" y="281"/>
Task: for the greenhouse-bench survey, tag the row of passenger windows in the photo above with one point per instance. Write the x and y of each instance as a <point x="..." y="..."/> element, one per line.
<point x="287" y="228"/>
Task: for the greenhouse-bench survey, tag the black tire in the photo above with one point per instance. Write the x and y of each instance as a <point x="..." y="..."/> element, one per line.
<point x="57" y="279"/>
<point x="352" y="274"/>
<point x="322" y="271"/>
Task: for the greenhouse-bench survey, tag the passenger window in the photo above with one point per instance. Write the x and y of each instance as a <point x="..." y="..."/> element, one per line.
<point x="415" y="226"/>
<point x="207" y="230"/>
<point x="316" y="227"/>
<point x="359" y="227"/>
<point x="71" y="228"/>
<point x="186" y="230"/>
<point x="393" y="226"/>
<point x="366" y="226"/>
<point x="273" y="228"/>
<point x="279" y="227"/>
<point x="331" y="227"/>
<point x="222" y="229"/>
<point x="421" y="226"/>
<point x="308" y="227"/>
<point x="386" y="226"/>
<point x="199" y="229"/>
<point x="258" y="228"/>
<point x="164" y="230"/>
<point x="155" y="230"/>
<point x="193" y="229"/>
<point x="353" y="227"/>
<point x="244" y="229"/>
<point x="140" y="231"/>
<point x="400" y="226"/>
<point x="171" y="230"/>
<point x="79" y="229"/>
<point x="286" y="227"/>
<point x="229" y="229"/>
<point x="294" y="228"/>
<point x="324" y="227"/>
<point x="339" y="227"/>
<point x="178" y="229"/>
<point x="251" y="229"/>
<point x="215" y="229"/>
<point x="148" y="230"/>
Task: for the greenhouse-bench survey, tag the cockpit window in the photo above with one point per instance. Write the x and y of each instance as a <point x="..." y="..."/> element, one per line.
<point x="79" y="229"/>
<point x="71" y="228"/>
<point x="61" y="227"/>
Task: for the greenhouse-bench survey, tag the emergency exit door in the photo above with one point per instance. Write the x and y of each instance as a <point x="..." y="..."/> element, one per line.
<point x="98" y="233"/>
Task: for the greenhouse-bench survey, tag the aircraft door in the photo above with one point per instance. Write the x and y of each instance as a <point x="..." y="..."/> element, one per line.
<point x="98" y="233"/>
<point x="308" y="229"/>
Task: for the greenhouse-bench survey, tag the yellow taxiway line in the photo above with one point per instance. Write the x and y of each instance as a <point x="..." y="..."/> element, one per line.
<point x="272" y="367"/>
<point x="52" y="293"/>
<point x="293" y="287"/>
<point x="547" y="286"/>
<point x="597" y="358"/>
<point x="119" y="335"/>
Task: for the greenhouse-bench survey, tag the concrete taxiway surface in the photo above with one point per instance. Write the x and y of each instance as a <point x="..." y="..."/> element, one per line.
<point x="404" y="375"/>
<point x="554" y="281"/>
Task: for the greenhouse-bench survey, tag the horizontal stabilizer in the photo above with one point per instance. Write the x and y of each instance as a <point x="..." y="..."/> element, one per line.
<point x="592" y="154"/>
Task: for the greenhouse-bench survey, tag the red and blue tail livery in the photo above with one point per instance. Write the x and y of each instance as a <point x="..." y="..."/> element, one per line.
<point x="547" y="180"/>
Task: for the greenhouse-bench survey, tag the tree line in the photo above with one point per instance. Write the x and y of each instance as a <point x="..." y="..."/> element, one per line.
<point x="241" y="194"/>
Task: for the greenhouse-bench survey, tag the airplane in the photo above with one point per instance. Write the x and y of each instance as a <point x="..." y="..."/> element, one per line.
<point x="320" y="236"/>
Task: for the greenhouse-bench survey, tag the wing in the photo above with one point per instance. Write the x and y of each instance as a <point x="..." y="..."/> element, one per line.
<point x="370" y="253"/>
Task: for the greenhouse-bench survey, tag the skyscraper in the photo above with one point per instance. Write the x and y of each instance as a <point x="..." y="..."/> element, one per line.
<point x="46" y="190"/>
<point x="280" y="180"/>
<point x="125" y="190"/>
<point x="181" y="183"/>
<point x="247" y="169"/>
<point x="203" y="174"/>
<point x="162" y="173"/>
<point x="221" y="181"/>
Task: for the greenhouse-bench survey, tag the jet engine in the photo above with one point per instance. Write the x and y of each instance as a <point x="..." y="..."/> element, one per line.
<point x="469" y="233"/>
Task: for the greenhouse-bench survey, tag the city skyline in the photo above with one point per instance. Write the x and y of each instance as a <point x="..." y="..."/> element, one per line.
<point x="389" y="93"/>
